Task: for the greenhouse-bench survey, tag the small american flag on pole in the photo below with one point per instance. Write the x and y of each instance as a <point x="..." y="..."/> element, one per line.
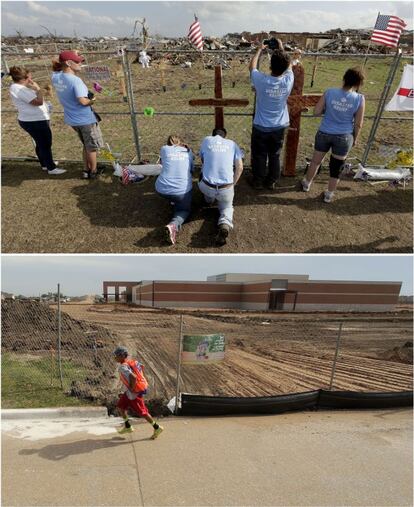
<point x="194" y="34"/>
<point x="387" y="30"/>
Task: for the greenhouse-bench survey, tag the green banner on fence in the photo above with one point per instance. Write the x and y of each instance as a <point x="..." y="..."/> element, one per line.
<point x="202" y="349"/>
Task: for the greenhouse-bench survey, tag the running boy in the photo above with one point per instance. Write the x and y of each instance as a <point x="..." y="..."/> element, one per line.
<point x="131" y="375"/>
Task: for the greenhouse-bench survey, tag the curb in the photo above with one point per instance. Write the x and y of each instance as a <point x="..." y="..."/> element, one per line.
<point x="53" y="413"/>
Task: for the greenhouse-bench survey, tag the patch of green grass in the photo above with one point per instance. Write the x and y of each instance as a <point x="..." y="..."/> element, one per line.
<point x="34" y="382"/>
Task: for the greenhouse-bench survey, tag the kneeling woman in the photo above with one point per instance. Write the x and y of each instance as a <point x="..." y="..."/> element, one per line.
<point x="343" y="110"/>
<point x="175" y="182"/>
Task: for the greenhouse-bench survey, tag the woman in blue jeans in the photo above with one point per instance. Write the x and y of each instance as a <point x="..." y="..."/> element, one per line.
<point x="33" y="116"/>
<point x="343" y="110"/>
<point x="175" y="183"/>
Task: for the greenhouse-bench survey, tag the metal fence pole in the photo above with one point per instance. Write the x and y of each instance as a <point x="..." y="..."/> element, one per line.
<point x="60" y="338"/>
<point x="381" y="105"/>
<point x="131" y="102"/>
<point x="177" y="392"/>
<point x="336" y="355"/>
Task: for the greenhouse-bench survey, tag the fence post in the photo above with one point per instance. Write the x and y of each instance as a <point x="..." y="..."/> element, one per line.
<point x="381" y="105"/>
<point x="60" y="338"/>
<point x="336" y="355"/>
<point x="131" y="102"/>
<point x="177" y="392"/>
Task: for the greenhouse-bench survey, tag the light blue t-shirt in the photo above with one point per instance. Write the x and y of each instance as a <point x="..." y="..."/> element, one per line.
<point x="271" y="99"/>
<point x="69" y="88"/>
<point x="176" y="173"/>
<point x="218" y="156"/>
<point x="340" y="109"/>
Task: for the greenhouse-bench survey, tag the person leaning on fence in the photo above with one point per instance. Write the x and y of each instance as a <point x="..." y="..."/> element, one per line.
<point x="73" y="95"/>
<point x="271" y="116"/>
<point x="33" y="116"/>
<point x="343" y="110"/>
<point x="222" y="166"/>
<point x="135" y="385"/>
<point x="175" y="183"/>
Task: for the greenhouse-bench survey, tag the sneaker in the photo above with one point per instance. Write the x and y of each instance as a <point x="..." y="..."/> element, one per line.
<point x="305" y="185"/>
<point x="171" y="233"/>
<point x="270" y="186"/>
<point x="124" y="430"/>
<point x="44" y="168"/>
<point x="328" y="196"/>
<point x="221" y="238"/>
<point x="157" y="432"/>
<point x="56" y="170"/>
<point x="85" y="175"/>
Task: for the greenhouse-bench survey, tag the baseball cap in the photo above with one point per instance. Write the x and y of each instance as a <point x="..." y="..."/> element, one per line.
<point x="120" y="351"/>
<point x="64" y="56"/>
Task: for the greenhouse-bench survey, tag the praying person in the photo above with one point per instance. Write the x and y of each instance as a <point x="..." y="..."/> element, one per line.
<point x="343" y="109"/>
<point x="135" y="385"/>
<point x="73" y="93"/>
<point x="175" y="183"/>
<point x="222" y="166"/>
<point x="33" y="115"/>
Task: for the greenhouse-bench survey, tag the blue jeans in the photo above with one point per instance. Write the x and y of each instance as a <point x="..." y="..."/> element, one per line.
<point x="181" y="206"/>
<point x="224" y="198"/>
<point x="42" y="136"/>
<point x="340" y="144"/>
<point x="266" y="148"/>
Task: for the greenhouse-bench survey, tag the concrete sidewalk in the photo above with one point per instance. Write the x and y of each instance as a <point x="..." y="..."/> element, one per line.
<point x="320" y="458"/>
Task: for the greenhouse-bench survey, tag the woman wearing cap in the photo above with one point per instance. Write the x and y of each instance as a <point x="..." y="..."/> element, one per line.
<point x="343" y="110"/>
<point x="175" y="182"/>
<point x="73" y="95"/>
<point x="33" y="116"/>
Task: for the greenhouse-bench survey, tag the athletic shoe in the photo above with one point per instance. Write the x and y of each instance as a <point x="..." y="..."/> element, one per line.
<point x="124" y="430"/>
<point x="223" y="232"/>
<point x="171" y="233"/>
<point x="256" y="184"/>
<point x="328" y="196"/>
<point x="157" y="432"/>
<point x="56" y="171"/>
<point x="85" y="175"/>
<point x="305" y="185"/>
<point x="44" y="168"/>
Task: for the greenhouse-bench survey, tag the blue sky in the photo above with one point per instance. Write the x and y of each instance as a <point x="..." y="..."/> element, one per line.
<point x="173" y="18"/>
<point x="83" y="274"/>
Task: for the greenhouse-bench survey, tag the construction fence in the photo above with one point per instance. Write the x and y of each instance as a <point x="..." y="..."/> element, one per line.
<point x="70" y="349"/>
<point x="140" y="107"/>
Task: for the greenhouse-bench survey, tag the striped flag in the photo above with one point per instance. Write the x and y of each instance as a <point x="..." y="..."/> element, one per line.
<point x="387" y="30"/>
<point x="194" y="34"/>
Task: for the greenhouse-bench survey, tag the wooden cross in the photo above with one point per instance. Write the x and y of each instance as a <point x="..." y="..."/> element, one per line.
<point x="296" y="104"/>
<point x="218" y="102"/>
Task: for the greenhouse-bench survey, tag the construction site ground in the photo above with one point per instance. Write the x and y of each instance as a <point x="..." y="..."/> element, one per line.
<point x="266" y="353"/>
<point x="353" y="458"/>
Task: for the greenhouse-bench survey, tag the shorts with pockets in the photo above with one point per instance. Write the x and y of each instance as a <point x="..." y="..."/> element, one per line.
<point x="90" y="135"/>
<point x="340" y="144"/>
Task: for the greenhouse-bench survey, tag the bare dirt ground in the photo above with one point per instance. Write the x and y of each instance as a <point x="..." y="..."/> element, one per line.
<point x="266" y="354"/>
<point x="67" y="215"/>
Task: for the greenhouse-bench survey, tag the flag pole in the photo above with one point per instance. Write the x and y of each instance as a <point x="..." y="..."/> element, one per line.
<point x="369" y="45"/>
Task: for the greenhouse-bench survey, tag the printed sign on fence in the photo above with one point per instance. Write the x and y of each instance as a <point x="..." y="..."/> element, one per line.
<point x="202" y="349"/>
<point x="97" y="72"/>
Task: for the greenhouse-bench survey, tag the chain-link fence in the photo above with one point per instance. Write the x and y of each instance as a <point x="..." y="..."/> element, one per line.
<point x="266" y="353"/>
<point x="174" y="77"/>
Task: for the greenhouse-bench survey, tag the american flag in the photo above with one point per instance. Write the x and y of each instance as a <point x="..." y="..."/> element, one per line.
<point x="387" y="30"/>
<point x="125" y="175"/>
<point x="194" y="34"/>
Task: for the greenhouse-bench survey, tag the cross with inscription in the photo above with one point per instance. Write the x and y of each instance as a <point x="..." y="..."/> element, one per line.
<point x="218" y="102"/>
<point x="297" y="103"/>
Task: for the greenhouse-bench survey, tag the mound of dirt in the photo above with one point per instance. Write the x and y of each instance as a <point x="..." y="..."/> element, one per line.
<point x="403" y="354"/>
<point x="32" y="325"/>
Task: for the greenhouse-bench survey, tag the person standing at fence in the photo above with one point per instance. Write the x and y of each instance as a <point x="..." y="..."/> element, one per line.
<point x="271" y="116"/>
<point x="33" y="116"/>
<point x="135" y="385"/>
<point x="222" y="166"/>
<point x="73" y="95"/>
<point x="343" y="110"/>
<point x="175" y="183"/>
